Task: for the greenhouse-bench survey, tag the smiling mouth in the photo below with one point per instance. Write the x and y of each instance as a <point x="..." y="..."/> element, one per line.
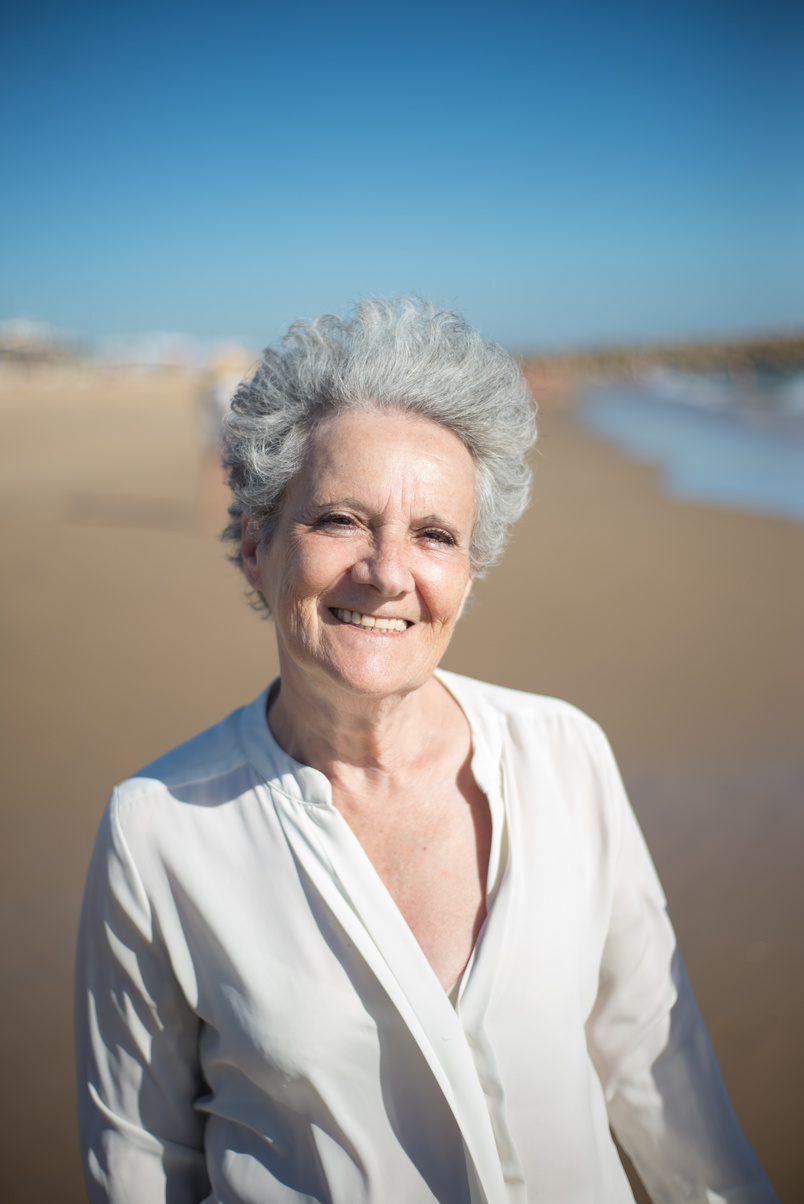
<point x="369" y="622"/>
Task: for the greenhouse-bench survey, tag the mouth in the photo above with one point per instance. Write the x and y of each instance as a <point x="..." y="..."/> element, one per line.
<point x="354" y="618"/>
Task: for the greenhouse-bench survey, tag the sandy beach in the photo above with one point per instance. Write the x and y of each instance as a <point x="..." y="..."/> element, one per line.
<point x="679" y="627"/>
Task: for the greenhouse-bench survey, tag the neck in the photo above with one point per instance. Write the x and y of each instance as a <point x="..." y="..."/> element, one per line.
<point x="339" y="732"/>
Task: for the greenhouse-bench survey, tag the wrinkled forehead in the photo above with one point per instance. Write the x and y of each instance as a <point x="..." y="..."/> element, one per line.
<point x="388" y="452"/>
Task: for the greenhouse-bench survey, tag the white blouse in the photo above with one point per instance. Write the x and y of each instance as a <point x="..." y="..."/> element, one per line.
<point x="256" y="1023"/>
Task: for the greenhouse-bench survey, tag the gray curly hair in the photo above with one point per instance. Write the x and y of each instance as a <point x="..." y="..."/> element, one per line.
<point x="405" y="355"/>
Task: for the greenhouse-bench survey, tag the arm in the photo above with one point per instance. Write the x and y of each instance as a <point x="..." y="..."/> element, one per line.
<point x="136" y="1044"/>
<point x="666" y="1098"/>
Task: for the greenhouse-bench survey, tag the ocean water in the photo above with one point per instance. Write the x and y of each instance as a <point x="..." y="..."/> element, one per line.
<point x="733" y="443"/>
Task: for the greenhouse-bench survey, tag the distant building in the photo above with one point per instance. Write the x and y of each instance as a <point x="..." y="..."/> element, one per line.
<point x="23" y="341"/>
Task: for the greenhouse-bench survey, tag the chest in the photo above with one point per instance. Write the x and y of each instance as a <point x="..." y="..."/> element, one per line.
<point x="277" y="958"/>
<point x="431" y="853"/>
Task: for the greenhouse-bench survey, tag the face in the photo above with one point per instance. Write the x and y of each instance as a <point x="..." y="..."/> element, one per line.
<point x="368" y="568"/>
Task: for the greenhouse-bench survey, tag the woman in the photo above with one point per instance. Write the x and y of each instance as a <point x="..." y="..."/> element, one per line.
<point x="386" y="934"/>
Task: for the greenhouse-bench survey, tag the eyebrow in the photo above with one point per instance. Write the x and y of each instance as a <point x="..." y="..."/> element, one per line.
<point x="333" y="503"/>
<point x="435" y="520"/>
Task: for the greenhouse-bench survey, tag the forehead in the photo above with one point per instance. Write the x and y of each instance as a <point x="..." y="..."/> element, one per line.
<point x="388" y="451"/>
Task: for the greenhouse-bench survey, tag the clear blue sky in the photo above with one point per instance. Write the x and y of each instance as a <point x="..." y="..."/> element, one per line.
<point x="563" y="172"/>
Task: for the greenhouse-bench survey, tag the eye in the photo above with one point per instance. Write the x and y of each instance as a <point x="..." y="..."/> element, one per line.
<point x="342" y="521"/>
<point x="436" y="535"/>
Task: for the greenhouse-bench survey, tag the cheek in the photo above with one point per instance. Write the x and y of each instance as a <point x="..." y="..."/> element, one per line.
<point x="315" y="568"/>
<point x="277" y="576"/>
<point x="444" y="589"/>
<point x="308" y="571"/>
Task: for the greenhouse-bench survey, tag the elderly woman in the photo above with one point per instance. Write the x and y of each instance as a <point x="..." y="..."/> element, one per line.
<point x="387" y="934"/>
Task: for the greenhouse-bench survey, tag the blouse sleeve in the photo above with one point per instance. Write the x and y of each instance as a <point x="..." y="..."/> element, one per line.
<point x="136" y="1044"/>
<point x="666" y="1097"/>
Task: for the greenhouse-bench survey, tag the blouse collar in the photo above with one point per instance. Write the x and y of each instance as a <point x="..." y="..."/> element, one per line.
<point x="310" y="786"/>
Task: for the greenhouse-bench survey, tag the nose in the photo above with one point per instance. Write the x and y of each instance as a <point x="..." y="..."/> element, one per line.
<point x="385" y="566"/>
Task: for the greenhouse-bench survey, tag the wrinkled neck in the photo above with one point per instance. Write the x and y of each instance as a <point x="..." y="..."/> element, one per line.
<point x="348" y="734"/>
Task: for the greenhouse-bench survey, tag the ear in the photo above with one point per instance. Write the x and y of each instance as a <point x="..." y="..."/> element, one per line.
<point x="466" y="594"/>
<point x="249" y="547"/>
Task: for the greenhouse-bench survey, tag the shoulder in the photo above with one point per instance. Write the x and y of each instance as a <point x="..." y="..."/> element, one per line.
<point x="170" y="821"/>
<point x="542" y="739"/>
<point x="518" y="709"/>
<point x="558" y="761"/>
<point x="204" y="768"/>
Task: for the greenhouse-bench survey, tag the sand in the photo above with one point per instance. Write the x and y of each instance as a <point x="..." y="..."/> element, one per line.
<point x="679" y="627"/>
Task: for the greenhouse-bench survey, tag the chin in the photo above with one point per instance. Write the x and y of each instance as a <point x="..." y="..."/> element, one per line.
<point x="377" y="685"/>
<point x="377" y="680"/>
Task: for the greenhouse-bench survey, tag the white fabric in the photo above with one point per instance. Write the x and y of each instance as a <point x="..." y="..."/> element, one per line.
<point x="258" y="1025"/>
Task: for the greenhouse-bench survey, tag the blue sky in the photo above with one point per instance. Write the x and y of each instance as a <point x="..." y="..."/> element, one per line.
<point x="563" y="173"/>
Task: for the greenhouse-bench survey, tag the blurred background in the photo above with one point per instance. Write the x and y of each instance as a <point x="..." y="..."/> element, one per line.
<point x="615" y="191"/>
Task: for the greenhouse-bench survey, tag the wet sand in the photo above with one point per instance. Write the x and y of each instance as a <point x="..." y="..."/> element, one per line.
<point x="679" y="627"/>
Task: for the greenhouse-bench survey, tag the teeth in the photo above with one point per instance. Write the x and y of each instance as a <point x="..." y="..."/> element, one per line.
<point x="357" y="620"/>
